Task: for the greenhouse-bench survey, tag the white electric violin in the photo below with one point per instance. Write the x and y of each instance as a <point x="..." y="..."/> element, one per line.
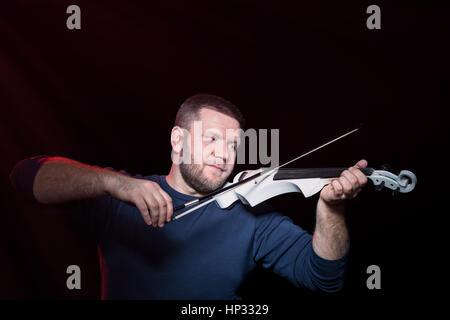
<point x="252" y="187"/>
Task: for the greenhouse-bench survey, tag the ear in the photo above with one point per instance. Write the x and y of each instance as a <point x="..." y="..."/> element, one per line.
<point x="176" y="139"/>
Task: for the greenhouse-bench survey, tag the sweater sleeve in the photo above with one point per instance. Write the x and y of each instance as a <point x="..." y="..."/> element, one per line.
<point x="287" y="249"/>
<point x="23" y="174"/>
<point x="95" y="215"/>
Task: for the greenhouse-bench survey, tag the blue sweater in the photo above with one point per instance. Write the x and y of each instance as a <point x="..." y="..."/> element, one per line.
<point x="205" y="255"/>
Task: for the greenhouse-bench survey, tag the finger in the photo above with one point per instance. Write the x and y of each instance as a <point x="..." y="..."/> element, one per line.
<point x="362" y="179"/>
<point x="352" y="179"/>
<point x="143" y="209"/>
<point x="338" y="189"/>
<point x="346" y="185"/>
<point x="169" y="205"/>
<point x="162" y="204"/>
<point x="153" y="205"/>
<point x="361" y="163"/>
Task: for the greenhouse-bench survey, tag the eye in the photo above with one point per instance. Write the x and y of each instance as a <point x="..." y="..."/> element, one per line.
<point x="210" y="138"/>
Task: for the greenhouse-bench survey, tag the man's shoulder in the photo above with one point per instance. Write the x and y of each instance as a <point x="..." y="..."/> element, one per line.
<point x="154" y="177"/>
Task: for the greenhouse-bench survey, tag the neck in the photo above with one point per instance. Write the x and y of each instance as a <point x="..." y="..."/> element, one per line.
<point x="176" y="181"/>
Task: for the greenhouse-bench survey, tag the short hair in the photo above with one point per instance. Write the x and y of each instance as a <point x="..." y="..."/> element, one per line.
<point x="189" y="110"/>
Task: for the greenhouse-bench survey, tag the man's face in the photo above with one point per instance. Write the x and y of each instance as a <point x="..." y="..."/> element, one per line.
<point x="212" y="146"/>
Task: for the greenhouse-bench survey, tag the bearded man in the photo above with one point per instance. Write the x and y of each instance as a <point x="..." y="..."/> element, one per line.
<point x="206" y="255"/>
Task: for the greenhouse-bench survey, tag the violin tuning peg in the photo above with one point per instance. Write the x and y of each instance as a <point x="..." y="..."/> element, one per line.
<point x="395" y="193"/>
<point x="380" y="186"/>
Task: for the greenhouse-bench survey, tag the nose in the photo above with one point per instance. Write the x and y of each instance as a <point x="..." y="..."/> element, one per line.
<point x="222" y="153"/>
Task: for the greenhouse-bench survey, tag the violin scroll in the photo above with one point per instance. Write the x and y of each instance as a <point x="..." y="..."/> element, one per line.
<point x="404" y="182"/>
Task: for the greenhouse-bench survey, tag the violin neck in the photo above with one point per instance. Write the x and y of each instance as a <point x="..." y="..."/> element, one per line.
<point x="286" y="173"/>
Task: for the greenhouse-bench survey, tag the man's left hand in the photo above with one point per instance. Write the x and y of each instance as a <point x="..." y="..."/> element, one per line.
<point x="347" y="186"/>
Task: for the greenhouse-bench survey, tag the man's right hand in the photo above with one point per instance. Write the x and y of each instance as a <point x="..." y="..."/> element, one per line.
<point x="154" y="204"/>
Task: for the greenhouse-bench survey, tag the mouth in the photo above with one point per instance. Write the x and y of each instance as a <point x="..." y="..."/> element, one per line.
<point x="217" y="168"/>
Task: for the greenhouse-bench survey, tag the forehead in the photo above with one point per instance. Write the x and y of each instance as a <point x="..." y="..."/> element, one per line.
<point x="212" y="119"/>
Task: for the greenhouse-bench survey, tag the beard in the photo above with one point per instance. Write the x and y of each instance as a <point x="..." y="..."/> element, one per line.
<point x="193" y="176"/>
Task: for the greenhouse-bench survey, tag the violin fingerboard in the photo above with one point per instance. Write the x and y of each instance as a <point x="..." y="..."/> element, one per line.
<point x="286" y="173"/>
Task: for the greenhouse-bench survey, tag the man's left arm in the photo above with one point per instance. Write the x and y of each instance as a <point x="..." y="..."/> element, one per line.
<point x="330" y="238"/>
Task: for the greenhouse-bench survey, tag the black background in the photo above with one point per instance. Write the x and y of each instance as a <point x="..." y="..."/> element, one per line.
<point x="107" y="95"/>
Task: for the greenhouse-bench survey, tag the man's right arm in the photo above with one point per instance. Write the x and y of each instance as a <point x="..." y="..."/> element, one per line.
<point x="60" y="180"/>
